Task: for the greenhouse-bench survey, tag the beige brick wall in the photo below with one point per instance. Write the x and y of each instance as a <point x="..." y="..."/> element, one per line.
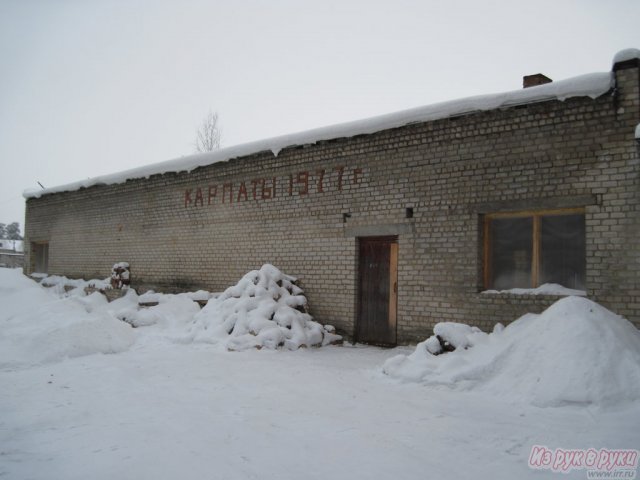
<point x="580" y="152"/>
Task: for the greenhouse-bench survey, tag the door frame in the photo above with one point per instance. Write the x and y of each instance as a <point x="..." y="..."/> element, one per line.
<point x="392" y="315"/>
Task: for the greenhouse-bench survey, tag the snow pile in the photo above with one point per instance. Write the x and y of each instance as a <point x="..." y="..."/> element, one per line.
<point x="264" y="309"/>
<point x="575" y="352"/>
<point x="172" y="315"/>
<point x="37" y="326"/>
<point x="449" y="336"/>
<point x="199" y="296"/>
<point x="61" y="284"/>
<point x="170" y="312"/>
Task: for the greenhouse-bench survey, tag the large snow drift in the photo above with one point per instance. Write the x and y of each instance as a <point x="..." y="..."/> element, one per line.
<point x="264" y="309"/>
<point x="37" y="326"/>
<point x="56" y="320"/>
<point x="575" y="352"/>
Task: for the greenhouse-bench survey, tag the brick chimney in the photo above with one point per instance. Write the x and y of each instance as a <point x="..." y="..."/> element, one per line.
<point x="534" y="80"/>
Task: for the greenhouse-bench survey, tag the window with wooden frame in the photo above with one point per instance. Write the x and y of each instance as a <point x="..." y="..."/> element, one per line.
<point x="530" y="248"/>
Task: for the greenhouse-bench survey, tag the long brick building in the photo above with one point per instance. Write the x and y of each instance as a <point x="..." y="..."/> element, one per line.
<point x="391" y="224"/>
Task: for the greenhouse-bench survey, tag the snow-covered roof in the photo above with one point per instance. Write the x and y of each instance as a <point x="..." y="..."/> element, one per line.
<point x="13" y="245"/>
<point x="591" y="85"/>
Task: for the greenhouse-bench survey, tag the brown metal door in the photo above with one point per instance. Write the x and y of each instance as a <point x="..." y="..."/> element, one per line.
<point x="377" y="290"/>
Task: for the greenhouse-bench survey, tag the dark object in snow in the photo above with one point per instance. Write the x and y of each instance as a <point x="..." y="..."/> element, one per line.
<point x="444" y="345"/>
<point x="120" y="275"/>
<point x="202" y="303"/>
<point x="148" y="304"/>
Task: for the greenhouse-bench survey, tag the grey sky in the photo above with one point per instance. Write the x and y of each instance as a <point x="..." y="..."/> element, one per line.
<point x="94" y="87"/>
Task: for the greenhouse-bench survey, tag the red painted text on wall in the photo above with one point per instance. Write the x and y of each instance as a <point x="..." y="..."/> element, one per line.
<point x="299" y="183"/>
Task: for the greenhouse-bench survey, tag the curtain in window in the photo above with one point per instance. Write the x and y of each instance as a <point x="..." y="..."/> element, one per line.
<point x="563" y="250"/>
<point x="511" y="250"/>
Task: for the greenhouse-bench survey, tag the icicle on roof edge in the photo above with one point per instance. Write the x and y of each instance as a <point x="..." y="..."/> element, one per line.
<point x="590" y="85"/>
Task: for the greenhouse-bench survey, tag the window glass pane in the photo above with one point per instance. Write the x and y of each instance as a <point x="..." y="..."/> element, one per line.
<point x="511" y="250"/>
<point x="563" y="250"/>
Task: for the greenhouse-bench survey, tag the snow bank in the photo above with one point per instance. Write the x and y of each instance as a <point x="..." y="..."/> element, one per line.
<point x="264" y="309"/>
<point x="37" y="326"/>
<point x="452" y="336"/>
<point x="575" y="352"/>
<point x="591" y="85"/>
<point x="199" y="296"/>
<point x="59" y="282"/>
<point x="172" y="315"/>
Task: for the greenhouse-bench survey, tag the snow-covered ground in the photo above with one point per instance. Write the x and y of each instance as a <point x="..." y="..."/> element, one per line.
<point x="165" y="408"/>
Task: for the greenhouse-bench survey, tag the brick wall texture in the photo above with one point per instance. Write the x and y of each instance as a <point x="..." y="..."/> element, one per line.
<point x="206" y="228"/>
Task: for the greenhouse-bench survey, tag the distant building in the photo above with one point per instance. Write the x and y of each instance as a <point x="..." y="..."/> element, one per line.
<point x="391" y="224"/>
<point x="11" y="253"/>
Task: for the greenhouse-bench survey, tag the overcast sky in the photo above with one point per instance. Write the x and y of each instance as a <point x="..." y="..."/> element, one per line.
<point x="91" y="87"/>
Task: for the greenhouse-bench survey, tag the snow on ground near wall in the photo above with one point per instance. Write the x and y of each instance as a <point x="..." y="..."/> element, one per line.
<point x="575" y="353"/>
<point x="59" y="282"/>
<point x="168" y="410"/>
<point x="38" y="326"/>
<point x="261" y="311"/>
<point x="590" y="85"/>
